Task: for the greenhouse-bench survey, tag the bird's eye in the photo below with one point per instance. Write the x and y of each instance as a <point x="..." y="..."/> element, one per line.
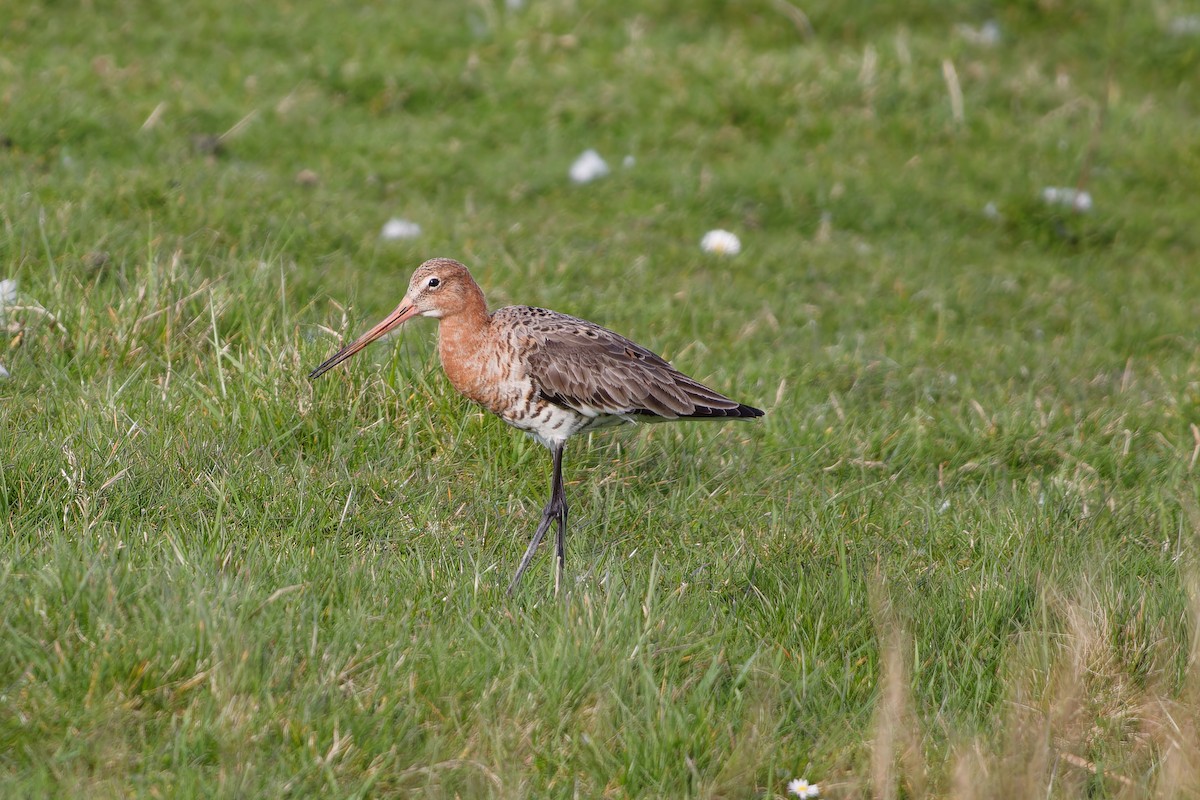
<point x="433" y="283"/>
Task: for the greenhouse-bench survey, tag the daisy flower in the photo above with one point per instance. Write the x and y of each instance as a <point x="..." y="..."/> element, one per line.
<point x="802" y="788"/>
<point x="588" y="167"/>
<point x="1071" y="198"/>
<point x="723" y="243"/>
<point x="396" y="228"/>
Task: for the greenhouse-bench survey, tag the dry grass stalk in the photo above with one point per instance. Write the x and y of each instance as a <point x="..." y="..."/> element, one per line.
<point x="897" y="736"/>
<point x="1078" y="723"/>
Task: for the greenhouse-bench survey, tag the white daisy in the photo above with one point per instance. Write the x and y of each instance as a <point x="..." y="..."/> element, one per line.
<point x="396" y="228"/>
<point x="1071" y="198"/>
<point x="723" y="243"/>
<point x="588" y="167"/>
<point x="802" y="788"/>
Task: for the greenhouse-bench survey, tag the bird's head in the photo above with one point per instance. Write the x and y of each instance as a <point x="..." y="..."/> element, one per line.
<point x="440" y="287"/>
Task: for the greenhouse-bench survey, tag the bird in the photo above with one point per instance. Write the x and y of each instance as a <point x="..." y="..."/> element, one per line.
<point x="549" y="374"/>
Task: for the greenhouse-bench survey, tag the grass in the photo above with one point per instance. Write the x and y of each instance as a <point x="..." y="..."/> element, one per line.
<point x="955" y="559"/>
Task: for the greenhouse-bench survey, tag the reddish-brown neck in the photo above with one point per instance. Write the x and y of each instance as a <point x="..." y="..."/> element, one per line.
<point x="466" y="314"/>
<point x="464" y="338"/>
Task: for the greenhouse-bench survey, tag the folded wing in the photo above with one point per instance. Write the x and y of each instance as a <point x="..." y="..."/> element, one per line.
<point x="590" y="369"/>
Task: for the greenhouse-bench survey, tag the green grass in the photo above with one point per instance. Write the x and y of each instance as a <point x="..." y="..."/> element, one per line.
<point x="975" y="484"/>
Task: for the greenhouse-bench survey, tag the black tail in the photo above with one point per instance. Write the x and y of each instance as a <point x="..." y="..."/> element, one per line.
<point x="741" y="411"/>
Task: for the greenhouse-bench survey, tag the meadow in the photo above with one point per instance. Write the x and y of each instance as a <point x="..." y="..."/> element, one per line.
<point x="957" y="558"/>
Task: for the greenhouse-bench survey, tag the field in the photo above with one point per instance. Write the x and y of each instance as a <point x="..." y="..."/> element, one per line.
<point x="957" y="558"/>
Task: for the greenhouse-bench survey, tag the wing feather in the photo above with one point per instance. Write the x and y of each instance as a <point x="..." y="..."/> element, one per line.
<point x="588" y="368"/>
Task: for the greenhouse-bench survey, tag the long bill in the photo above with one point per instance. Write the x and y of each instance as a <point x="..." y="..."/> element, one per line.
<point x="404" y="312"/>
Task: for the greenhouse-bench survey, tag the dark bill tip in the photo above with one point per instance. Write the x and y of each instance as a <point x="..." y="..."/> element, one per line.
<point x="405" y="311"/>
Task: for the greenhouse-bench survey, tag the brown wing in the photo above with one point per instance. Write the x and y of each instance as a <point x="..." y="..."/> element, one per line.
<point x="583" y="366"/>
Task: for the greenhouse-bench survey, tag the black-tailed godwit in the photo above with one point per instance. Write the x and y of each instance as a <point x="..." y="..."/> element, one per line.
<point x="546" y="373"/>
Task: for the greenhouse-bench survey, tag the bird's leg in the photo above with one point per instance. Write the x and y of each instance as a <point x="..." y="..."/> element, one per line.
<point x="558" y="500"/>
<point x="543" y="526"/>
<point x="556" y="509"/>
